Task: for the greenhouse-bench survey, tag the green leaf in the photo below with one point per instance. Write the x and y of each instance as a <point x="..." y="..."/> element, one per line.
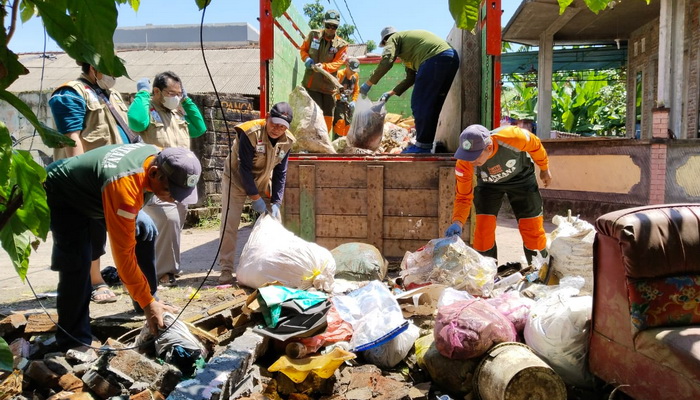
<point x="5" y="356"/>
<point x="84" y="31"/>
<point x="279" y="7"/>
<point x="49" y="136"/>
<point x="465" y="13"/>
<point x="26" y="11"/>
<point x="30" y="176"/>
<point x="597" y="5"/>
<point x="202" y="3"/>
<point x="563" y="4"/>
<point x="10" y="67"/>
<point x="5" y="163"/>
<point x="15" y="239"/>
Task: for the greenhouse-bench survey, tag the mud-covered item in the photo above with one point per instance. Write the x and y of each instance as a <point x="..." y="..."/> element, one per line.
<point x="454" y="376"/>
<point x="329" y="77"/>
<point x="468" y="329"/>
<point x="273" y="253"/>
<point x="451" y="262"/>
<point x="308" y="126"/>
<point x="367" y="127"/>
<point x="175" y="345"/>
<point x="357" y="261"/>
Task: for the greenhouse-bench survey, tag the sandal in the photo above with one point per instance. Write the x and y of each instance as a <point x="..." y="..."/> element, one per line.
<point x="168" y="280"/>
<point x="101" y="290"/>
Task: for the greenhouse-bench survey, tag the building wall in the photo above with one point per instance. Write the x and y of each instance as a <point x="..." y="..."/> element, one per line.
<point x="693" y="70"/>
<point x="643" y="57"/>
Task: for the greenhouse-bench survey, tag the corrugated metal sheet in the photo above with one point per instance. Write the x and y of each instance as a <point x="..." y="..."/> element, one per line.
<point x="234" y="70"/>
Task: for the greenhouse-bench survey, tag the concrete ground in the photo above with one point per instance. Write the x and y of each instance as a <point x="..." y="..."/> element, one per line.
<point x="199" y="248"/>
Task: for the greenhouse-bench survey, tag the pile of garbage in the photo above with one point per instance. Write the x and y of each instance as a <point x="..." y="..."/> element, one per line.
<point x="314" y="323"/>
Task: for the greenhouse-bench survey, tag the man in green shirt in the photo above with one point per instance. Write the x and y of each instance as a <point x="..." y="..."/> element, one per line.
<point x="431" y="65"/>
<point x="166" y="118"/>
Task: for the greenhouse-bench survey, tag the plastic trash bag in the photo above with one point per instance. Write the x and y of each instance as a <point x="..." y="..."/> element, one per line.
<point x="513" y="306"/>
<point x="451" y="262"/>
<point x="468" y="329"/>
<point x="392" y="352"/>
<point x="308" y="126"/>
<point x="557" y="330"/>
<point x="367" y="126"/>
<point x="359" y="262"/>
<point x="450" y="296"/>
<point x="273" y="253"/>
<point x="374" y="314"/>
<point x="571" y="249"/>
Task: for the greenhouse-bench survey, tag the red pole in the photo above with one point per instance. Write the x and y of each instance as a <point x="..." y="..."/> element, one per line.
<point x="493" y="48"/>
<point x="267" y="52"/>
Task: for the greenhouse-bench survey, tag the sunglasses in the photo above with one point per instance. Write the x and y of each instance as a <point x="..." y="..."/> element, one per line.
<point x="331" y="26"/>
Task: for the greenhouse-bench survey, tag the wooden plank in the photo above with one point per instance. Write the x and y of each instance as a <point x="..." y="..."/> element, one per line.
<point x="411" y="202"/>
<point x="331" y="243"/>
<point x="375" y="205"/>
<point x="331" y="201"/>
<point x="397" y="248"/>
<point x="417" y="228"/>
<point x="292" y="180"/>
<point x="291" y="222"/>
<point x="307" y="209"/>
<point x="412" y="175"/>
<point x="341" y="226"/>
<point x="334" y="174"/>
<point x="446" y="198"/>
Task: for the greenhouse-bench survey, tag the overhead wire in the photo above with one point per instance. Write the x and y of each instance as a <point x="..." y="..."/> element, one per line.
<point x="353" y="21"/>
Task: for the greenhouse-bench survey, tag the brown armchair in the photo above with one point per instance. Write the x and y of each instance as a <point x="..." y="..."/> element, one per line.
<point x="646" y="307"/>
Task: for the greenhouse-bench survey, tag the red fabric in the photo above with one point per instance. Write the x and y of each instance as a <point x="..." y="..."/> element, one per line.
<point x="672" y="301"/>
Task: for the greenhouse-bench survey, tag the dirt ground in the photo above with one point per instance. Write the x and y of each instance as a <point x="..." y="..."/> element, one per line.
<point x="199" y="249"/>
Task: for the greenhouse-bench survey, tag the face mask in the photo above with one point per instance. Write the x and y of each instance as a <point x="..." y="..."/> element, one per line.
<point x="171" y="102"/>
<point x="107" y="82"/>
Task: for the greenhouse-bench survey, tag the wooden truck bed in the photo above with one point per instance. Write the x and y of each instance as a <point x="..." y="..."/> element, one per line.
<point x="394" y="202"/>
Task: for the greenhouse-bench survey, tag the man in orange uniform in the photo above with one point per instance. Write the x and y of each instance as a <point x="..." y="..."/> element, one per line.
<point x="327" y="50"/>
<point x="503" y="160"/>
<point x="345" y="105"/>
<point x="110" y="183"/>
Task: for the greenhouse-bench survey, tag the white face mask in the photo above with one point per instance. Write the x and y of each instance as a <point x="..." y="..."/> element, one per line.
<point x="107" y="82"/>
<point x="171" y="102"/>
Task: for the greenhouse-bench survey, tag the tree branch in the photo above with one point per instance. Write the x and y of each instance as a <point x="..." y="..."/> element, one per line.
<point x="13" y="205"/>
<point x="13" y="20"/>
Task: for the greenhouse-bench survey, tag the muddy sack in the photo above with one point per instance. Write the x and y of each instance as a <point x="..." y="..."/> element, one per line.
<point x="367" y="126"/>
<point x="469" y="328"/>
<point x="308" y="126"/>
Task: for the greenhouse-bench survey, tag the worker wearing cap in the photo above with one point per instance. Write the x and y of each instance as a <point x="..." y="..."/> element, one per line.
<point x="431" y="65"/>
<point x="110" y="183"/>
<point x="166" y="117"/>
<point x="503" y="162"/>
<point x="345" y="100"/>
<point x="256" y="168"/>
<point x="326" y="49"/>
<point x="92" y="113"/>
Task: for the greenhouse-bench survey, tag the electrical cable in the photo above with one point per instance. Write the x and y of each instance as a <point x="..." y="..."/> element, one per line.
<point x="353" y="21"/>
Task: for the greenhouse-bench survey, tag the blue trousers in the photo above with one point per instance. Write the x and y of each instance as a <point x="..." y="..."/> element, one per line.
<point x="77" y="240"/>
<point x="433" y="81"/>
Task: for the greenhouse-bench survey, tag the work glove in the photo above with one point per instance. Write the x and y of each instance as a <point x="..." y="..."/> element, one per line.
<point x="454" y="229"/>
<point x="352" y="106"/>
<point x="143" y="84"/>
<point x="364" y="89"/>
<point x="309" y="62"/>
<point x="145" y="227"/>
<point x="276" y="212"/>
<point x="259" y="205"/>
<point x="385" y="96"/>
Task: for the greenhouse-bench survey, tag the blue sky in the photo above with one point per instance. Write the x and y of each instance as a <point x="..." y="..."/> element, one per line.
<point x="369" y="17"/>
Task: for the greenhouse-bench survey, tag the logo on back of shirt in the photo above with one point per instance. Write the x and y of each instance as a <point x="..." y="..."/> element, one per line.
<point x="112" y="158"/>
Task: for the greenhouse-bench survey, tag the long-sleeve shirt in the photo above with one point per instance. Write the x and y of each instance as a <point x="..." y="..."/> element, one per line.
<point x="413" y="48"/>
<point x="140" y="115"/>
<point x="510" y="165"/>
<point x="110" y="182"/>
<point x="349" y="80"/>
<point x="246" y="152"/>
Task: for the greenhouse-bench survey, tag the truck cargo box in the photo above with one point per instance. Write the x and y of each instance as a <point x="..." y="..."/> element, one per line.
<point x="394" y="202"/>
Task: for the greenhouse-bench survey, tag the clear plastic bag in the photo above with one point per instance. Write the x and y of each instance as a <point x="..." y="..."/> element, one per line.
<point x="367" y="127"/>
<point x="308" y="126"/>
<point x="273" y="253"/>
<point x="392" y="352"/>
<point x="374" y="314"/>
<point x="451" y="262"/>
